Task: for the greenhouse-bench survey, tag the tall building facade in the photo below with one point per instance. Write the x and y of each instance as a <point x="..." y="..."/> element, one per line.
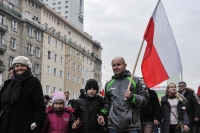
<point x="72" y="10"/>
<point x="20" y="34"/>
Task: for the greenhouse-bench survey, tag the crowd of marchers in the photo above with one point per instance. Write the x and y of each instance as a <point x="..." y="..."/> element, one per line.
<point x="24" y="108"/>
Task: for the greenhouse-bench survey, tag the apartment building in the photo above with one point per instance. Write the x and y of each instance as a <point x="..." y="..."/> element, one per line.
<point x="72" y="10"/>
<point x="20" y="34"/>
<point x="70" y="56"/>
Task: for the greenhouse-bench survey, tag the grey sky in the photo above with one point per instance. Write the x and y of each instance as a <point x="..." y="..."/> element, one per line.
<point x="119" y="27"/>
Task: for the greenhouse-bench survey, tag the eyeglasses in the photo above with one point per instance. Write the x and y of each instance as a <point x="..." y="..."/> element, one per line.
<point x="181" y="86"/>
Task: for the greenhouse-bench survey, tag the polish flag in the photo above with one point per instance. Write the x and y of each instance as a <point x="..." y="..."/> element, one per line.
<point x="161" y="58"/>
<point x="198" y="92"/>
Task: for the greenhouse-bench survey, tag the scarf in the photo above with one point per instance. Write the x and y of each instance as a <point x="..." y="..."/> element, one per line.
<point x="12" y="92"/>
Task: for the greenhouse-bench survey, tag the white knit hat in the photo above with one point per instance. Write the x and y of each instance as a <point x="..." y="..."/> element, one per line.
<point x="58" y="96"/>
<point x="22" y="60"/>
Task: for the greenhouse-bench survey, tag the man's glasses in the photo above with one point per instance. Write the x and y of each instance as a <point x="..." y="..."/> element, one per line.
<point x="181" y="86"/>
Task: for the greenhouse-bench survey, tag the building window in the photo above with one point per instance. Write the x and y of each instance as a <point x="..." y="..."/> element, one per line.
<point x="61" y="73"/>
<point x="37" y="52"/>
<point x="87" y="59"/>
<point x="66" y="17"/>
<point x="31" y="32"/>
<point x="54" y="89"/>
<point x="74" y="95"/>
<point x="74" y="52"/>
<point x="10" y="60"/>
<point x="55" y="57"/>
<point x="56" y="43"/>
<point x="30" y="49"/>
<point x="13" y="43"/>
<point x="14" y="25"/>
<point x="66" y="6"/>
<point x="28" y="15"/>
<point x="47" y="90"/>
<point x="49" y="54"/>
<point x="38" y="36"/>
<point x="83" y="81"/>
<point x="54" y="3"/>
<point x="66" y="1"/>
<point x="69" y="63"/>
<point x="79" y="67"/>
<point x="74" y="66"/>
<point x="66" y="12"/>
<point x="54" y="72"/>
<point x="48" y="69"/>
<point x="60" y="90"/>
<point x="90" y="62"/>
<point x="69" y="50"/>
<point x="59" y="3"/>
<point x="10" y="5"/>
<point x="79" y="79"/>
<point x="61" y="60"/>
<point x="68" y="76"/>
<point x="82" y="69"/>
<point x="37" y="69"/>
<point x="49" y="39"/>
<point x="58" y="8"/>
<point x="2" y="39"/>
<point x="62" y="46"/>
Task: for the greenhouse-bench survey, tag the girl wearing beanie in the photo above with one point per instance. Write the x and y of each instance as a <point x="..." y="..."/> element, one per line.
<point x="87" y="108"/>
<point x="57" y="116"/>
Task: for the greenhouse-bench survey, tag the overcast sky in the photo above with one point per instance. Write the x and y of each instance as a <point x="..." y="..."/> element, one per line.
<point x="119" y="27"/>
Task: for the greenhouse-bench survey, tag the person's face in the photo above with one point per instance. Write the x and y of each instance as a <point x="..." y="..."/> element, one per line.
<point x="58" y="105"/>
<point x="20" y="68"/>
<point x="91" y="92"/>
<point x="118" y="65"/>
<point x="181" y="87"/>
<point x="172" y="89"/>
<point x="67" y="95"/>
<point x="10" y="73"/>
<point x="45" y="101"/>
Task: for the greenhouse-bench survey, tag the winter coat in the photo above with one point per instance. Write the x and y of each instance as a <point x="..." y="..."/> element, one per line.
<point x="152" y="111"/>
<point x="124" y="115"/>
<point x="86" y="110"/>
<point x="191" y="105"/>
<point x="57" y="122"/>
<point x="166" y="111"/>
<point x="18" y="117"/>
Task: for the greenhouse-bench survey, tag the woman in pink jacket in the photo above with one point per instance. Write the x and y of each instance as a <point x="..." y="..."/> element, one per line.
<point x="57" y="116"/>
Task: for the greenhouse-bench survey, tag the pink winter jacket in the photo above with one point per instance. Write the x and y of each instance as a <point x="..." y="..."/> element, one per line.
<point x="57" y="122"/>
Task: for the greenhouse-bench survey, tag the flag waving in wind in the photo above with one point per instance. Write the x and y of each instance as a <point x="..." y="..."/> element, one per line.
<point x="161" y="58"/>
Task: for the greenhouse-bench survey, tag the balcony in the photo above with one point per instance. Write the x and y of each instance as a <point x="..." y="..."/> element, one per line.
<point x="10" y="10"/>
<point x="2" y="67"/>
<point x="3" y="27"/>
<point x="3" y="47"/>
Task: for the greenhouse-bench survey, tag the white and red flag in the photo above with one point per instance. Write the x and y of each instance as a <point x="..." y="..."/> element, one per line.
<point x="161" y="58"/>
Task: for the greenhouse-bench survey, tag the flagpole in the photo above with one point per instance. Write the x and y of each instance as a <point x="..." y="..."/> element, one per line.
<point x="129" y="85"/>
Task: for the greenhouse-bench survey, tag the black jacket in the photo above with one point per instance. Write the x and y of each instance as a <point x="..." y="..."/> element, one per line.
<point x="166" y="112"/>
<point x="152" y="111"/>
<point x="30" y="108"/>
<point x="87" y="109"/>
<point x="191" y="105"/>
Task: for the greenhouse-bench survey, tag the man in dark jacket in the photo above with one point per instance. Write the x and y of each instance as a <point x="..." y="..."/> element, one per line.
<point x="124" y="115"/>
<point x="151" y="113"/>
<point x="191" y="105"/>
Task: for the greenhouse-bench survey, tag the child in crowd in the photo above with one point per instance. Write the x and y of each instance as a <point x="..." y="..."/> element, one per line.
<point x="87" y="108"/>
<point x="57" y="116"/>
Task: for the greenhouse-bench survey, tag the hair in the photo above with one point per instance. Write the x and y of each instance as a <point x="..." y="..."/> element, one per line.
<point x="182" y="82"/>
<point x="10" y="68"/>
<point x="67" y="92"/>
<point x="167" y="89"/>
<point x="123" y="61"/>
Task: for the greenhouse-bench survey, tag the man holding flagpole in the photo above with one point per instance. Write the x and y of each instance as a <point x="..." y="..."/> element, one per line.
<point x="124" y="115"/>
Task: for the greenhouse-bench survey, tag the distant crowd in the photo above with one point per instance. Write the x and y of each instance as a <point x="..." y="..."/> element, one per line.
<point x="24" y="108"/>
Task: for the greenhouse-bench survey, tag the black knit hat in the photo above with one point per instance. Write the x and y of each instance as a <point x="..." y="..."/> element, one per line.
<point x="92" y="83"/>
<point x="46" y="97"/>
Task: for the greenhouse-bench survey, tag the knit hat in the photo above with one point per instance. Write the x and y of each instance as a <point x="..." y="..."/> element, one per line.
<point x="46" y="97"/>
<point x="22" y="60"/>
<point x="58" y="96"/>
<point x="92" y="83"/>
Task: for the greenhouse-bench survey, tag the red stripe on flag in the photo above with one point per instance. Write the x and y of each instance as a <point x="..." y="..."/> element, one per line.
<point x="151" y="64"/>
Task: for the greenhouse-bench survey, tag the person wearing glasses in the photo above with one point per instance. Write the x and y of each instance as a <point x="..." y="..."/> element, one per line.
<point x="191" y="104"/>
